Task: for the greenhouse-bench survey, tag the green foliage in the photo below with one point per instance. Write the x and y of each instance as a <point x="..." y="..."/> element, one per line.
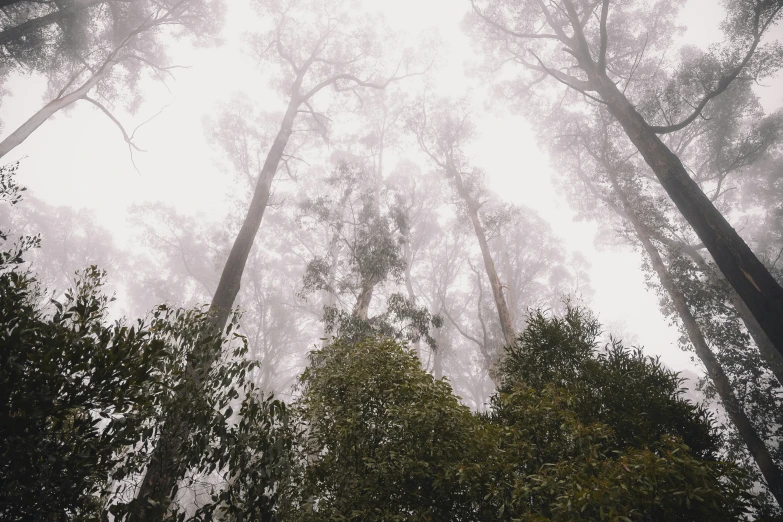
<point x="603" y="435"/>
<point x="402" y="320"/>
<point x="637" y="397"/>
<point x="83" y="400"/>
<point x="74" y="391"/>
<point x="384" y="440"/>
<point x="599" y="435"/>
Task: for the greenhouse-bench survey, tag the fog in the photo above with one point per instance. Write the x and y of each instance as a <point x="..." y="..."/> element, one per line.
<point x="436" y="172"/>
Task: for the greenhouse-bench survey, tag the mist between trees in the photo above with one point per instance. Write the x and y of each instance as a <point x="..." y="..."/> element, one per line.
<point x="367" y="329"/>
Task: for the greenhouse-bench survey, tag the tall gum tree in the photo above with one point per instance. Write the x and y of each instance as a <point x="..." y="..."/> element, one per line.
<point x="612" y="178"/>
<point x="312" y="45"/>
<point x="442" y="132"/>
<point x="725" y="152"/>
<point x="610" y="53"/>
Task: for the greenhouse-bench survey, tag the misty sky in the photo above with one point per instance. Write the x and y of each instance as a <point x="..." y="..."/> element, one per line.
<point x="78" y="157"/>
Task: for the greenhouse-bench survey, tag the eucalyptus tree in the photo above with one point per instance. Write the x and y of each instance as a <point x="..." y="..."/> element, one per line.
<point x="442" y="132"/>
<point x="702" y="306"/>
<point x="615" y="54"/>
<point x="311" y="45"/>
<point x="98" y="51"/>
<point x="369" y="227"/>
<point x="420" y="198"/>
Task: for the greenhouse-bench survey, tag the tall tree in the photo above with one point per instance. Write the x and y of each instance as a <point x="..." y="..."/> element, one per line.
<point x="610" y="176"/>
<point x="312" y="45"/>
<point x="368" y="229"/>
<point x="442" y="133"/>
<point x="614" y="50"/>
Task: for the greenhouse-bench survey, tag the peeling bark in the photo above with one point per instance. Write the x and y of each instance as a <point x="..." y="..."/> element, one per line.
<point x="362" y="307"/>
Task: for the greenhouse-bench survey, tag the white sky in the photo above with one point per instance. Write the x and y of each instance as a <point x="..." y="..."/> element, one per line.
<point x="79" y="159"/>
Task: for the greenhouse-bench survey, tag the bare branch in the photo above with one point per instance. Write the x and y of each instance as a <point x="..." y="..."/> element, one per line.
<point x="556" y="75"/>
<point x="119" y="125"/>
<point x="508" y="31"/>
<point x="604" y="38"/>
<point x="725" y="81"/>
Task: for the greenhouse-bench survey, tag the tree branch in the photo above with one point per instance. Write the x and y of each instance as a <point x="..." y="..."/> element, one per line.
<point x="604" y="38"/>
<point x="556" y="77"/>
<point x="725" y="81"/>
<point x="508" y="31"/>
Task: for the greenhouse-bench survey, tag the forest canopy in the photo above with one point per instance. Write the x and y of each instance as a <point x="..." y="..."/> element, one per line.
<point x="343" y="260"/>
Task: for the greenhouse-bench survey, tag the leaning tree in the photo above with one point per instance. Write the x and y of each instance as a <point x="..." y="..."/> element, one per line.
<point x="311" y="45"/>
<point x="616" y="54"/>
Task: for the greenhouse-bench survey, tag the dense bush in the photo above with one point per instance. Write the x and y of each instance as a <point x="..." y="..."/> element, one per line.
<point x="383" y="440"/>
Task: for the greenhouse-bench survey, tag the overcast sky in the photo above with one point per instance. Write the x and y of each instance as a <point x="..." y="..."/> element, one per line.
<point x="79" y="158"/>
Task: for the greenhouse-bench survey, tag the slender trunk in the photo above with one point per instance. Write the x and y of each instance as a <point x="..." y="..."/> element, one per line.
<point x="330" y="297"/>
<point x="437" y="362"/>
<point x="509" y="277"/>
<point x="489" y="263"/>
<point x="771" y="473"/>
<point x="490" y="363"/>
<point x="760" y="292"/>
<point x="409" y="286"/>
<point x="165" y="468"/>
<point x="231" y="278"/>
<point x="48" y="110"/>
<point x="381" y="146"/>
<point x="13" y="34"/>
<point x="362" y="307"/>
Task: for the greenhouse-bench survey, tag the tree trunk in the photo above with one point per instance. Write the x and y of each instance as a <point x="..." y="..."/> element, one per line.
<point x="15" y="33"/>
<point x="165" y="468"/>
<point x="747" y="275"/>
<point x="489" y="264"/>
<point x="330" y="297"/>
<point x="6" y="3"/>
<point x="48" y="110"/>
<point x="362" y="307"/>
<point x="409" y="286"/>
<point x="767" y="350"/>
<point x="771" y="473"/>
<point x="231" y="278"/>
<point x="437" y="355"/>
